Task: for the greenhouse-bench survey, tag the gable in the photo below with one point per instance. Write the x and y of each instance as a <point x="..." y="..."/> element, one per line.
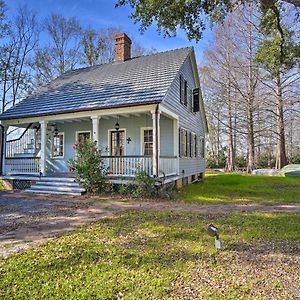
<point x="189" y="71"/>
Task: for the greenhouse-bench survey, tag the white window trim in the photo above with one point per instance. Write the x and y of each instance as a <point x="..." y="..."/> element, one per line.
<point x="82" y="131"/>
<point x="142" y="138"/>
<point x="58" y="157"/>
<point x="109" y="140"/>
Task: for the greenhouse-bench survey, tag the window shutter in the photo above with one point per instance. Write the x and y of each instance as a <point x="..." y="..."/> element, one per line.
<point x="196" y="98"/>
<point x="191" y="145"/>
<point x="179" y="144"/>
<point x="196" y="146"/>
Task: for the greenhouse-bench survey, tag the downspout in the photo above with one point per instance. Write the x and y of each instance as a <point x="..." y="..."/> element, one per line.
<point x="156" y="139"/>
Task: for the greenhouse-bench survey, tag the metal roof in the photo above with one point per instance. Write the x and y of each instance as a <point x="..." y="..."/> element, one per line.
<point x="140" y="80"/>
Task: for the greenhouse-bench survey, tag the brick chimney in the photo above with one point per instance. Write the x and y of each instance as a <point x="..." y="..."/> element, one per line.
<point x="122" y="47"/>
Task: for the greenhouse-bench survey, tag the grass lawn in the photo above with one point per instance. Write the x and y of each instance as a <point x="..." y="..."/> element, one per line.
<point x="236" y="188"/>
<point x="162" y="255"/>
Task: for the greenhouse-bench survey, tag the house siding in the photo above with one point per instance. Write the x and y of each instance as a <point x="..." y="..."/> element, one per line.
<point x="132" y="125"/>
<point x="187" y="119"/>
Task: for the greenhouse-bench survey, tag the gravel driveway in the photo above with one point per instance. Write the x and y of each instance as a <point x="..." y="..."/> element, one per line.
<point x="29" y="219"/>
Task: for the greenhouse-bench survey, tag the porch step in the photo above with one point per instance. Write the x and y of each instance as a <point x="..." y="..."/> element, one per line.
<point x="58" y="179"/>
<point x="53" y="192"/>
<point x="57" y="188"/>
<point x="57" y="185"/>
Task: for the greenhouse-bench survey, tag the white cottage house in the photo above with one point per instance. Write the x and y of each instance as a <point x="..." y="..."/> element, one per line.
<point x="144" y="112"/>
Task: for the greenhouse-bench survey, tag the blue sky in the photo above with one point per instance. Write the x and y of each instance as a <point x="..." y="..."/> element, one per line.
<point x="102" y="13"/>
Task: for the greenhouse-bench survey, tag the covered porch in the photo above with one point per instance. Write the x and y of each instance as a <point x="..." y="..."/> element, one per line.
<point x="130" y="139"/>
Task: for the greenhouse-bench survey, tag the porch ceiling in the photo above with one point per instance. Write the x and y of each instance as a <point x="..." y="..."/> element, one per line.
<point x="116" y="116"/>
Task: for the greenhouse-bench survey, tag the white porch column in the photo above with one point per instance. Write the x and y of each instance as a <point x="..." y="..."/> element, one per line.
<point x="43" y="146"/>
<point x="176" y="142"/>
<point x="5" y="128"/>
<point x="156" y="140"/>
<point x="95" y="123"/>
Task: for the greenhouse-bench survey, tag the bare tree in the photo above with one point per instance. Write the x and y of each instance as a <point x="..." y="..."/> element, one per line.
<point x="99" y="46"/>
<point x="20" y="42"/>
<point x="63" y="51"/>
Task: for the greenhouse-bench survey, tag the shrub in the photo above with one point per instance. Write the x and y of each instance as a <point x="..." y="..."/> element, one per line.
<point x="88" y="166"/>
<point x="295" y="159"/>
<point x="241" y="161"/>
<point x="266" y="160"/>
<point x="215" y="162"/>
<point x="145" y="185"/>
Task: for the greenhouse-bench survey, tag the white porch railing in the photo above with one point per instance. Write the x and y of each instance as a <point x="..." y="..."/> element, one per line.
<point x="128" y="165"/>
<point x="168" y="165"/>
<point x="22" y="165"/>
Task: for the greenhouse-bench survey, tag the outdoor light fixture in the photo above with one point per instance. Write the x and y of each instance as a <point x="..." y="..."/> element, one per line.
<point x="214" y="232"/>
<point x="129" y="140"/>
<point x="55" y="131"/>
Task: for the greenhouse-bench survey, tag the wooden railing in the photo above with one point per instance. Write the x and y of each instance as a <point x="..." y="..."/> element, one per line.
<point x="128" y="165"/>
<point x="168" y="165"/>
<point x="22" y="165"/>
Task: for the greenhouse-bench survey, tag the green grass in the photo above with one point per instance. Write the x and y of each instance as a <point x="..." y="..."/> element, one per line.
<point x="140" y="256"/>
<point x="236" y="188"/>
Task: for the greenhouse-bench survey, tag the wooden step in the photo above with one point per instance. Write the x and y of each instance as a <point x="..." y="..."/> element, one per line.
<point x="58" y="183"/>
<point x="58" y="188"/>
<point x="53" y="192"/>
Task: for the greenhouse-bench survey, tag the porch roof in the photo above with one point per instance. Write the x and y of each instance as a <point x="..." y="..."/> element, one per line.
<point x="140" y="80"/>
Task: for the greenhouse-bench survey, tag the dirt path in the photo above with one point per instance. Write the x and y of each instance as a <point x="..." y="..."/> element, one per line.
<point x="27" y="220"/>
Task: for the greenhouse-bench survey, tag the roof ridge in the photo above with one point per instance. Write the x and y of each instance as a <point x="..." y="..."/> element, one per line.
<point x="135" y="57"/>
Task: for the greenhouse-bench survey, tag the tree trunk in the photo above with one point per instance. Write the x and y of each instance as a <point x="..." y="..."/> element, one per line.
<point x="230" y="165"/>
<point x="250" y="102"/>
<point x="280" y="153"/>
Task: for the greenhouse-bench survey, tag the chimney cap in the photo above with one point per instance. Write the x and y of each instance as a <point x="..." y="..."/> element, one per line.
<point x="122" y="47"/>
<point x="121" y="35"/>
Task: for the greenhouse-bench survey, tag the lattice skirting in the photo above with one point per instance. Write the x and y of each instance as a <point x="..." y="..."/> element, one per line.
<point x="21" y="184"/>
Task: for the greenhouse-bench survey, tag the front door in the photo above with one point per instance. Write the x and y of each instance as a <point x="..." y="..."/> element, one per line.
<point x="117" y="143"/>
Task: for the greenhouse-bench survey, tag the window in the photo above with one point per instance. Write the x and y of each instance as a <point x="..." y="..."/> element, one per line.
<point x="196" y="103"/>
<point x="185" y="97"/>
<point x="117" y="142"/>
<point x="147" y="142"/>
<point x="183" y="139"/>
<point x="188" y="145"/>
<point x="58" y="145"/>
<point x="81" y="136"/>
<point x="193" y="145"/>
<point x="183" y="90"/>
<point x="202" y="147"/>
